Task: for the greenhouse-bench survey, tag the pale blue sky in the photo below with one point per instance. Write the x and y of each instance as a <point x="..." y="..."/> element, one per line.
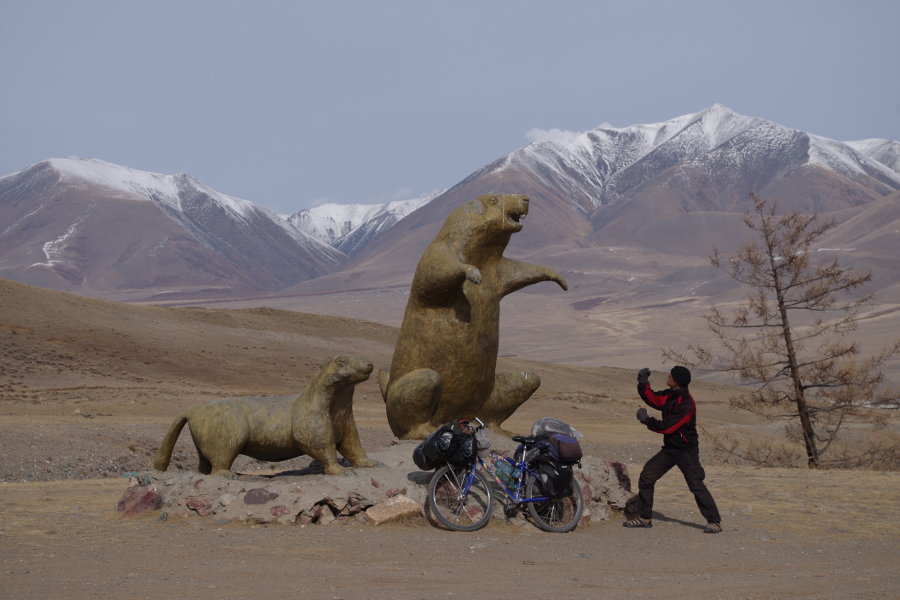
<point x="291" y="104"/>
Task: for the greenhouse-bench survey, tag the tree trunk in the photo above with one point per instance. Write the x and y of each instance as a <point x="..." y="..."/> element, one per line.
<point x="809" y="437"/>
<point x="812" y="452"/>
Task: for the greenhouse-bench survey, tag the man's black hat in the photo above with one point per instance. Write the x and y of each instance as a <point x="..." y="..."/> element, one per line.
<point x="681" y="375"/>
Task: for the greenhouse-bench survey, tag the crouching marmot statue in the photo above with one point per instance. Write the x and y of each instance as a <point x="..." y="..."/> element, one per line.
<point x="445" y="359"/>
<point x="318" y="422"/>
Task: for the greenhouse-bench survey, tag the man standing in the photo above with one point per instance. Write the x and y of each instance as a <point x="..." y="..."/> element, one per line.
<point x="680" y="447"/>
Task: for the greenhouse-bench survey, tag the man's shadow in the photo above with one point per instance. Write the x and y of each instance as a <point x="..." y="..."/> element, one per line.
<point x="661" y="517"/>
<point x="631" y="513"/>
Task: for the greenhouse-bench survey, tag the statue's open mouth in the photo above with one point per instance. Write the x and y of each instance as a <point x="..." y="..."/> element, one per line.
<point x="517" y="217"/>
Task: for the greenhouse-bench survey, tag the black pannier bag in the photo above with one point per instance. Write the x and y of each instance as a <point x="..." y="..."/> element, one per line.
<point x="462" y="450"/>
<point x="433" y="452"/>
<point x="552" y="455"/>
<point x="560" y="448"/>
<point x="451" y="443"/>
<point x="556" y="479"/>
<point x="421" y="460"/>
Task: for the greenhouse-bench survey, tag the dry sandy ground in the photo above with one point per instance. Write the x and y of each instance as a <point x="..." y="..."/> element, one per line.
<point x="88" y="388"/>
<point x="788" y="534"/>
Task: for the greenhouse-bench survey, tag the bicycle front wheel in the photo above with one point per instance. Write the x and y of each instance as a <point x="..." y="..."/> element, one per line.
<point x="556" y="515"/>
<point x="455" y="508"/>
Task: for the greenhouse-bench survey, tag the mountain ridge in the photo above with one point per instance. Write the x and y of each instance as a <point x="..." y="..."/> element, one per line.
<point x="606" y="186"/>
<point x="91" y="226"/>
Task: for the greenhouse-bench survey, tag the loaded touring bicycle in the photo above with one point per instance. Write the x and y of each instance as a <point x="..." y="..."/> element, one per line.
<point x="538" y="479"/>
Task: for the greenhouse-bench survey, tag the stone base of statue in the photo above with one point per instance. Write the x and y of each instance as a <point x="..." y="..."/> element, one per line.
<point x="394" y="488"/>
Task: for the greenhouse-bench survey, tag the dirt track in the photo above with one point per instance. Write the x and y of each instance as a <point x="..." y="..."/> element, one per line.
<point x="64" y="540"/>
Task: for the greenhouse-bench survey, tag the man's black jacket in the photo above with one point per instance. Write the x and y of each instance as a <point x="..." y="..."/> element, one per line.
<point x="679" y="416"/>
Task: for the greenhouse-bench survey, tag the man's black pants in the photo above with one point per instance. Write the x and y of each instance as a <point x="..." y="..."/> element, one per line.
<point x="688" y="462"/>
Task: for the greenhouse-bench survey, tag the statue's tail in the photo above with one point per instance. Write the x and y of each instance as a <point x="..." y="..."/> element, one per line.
<point x="384" y="379"/>
<point x="164" y="455"/>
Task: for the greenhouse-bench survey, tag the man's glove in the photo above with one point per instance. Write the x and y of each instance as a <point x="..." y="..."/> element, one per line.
<point x="644" y="375"/>
<point x="642" y="415"/>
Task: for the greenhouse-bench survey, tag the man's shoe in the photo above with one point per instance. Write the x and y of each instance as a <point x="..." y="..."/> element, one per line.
<point x="713" y="528"/>
<point x="638" y="522"/>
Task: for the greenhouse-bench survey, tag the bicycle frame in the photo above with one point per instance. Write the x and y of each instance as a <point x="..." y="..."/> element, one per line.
<point x="514" y="495"/>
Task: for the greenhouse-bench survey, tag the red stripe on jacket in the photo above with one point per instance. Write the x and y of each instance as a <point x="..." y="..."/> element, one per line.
<point x="655" y="399"/>
<point x="659" y="400"/>
<point x="680" y="423"/>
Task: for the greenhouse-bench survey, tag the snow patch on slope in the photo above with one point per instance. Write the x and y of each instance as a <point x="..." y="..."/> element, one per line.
<point x="55" y="249"/>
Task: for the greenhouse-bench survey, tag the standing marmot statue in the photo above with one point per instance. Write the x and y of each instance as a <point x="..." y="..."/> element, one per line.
<point x="318" y="422"/>
<point x="444" y="362"/>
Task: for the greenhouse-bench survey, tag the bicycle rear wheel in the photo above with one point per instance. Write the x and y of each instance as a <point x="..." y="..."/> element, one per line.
<point x="457" y="510"/>
<point x="556" y="515"/>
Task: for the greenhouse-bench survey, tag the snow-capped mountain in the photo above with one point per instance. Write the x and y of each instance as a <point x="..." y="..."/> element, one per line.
<point x="349" y="227"/>
<point x="678" y="187"/>
<point x="181" y="196"/>
<point x="89" y="225"/>
<point x="740" y="152"/>
<point x="886" y="152"/>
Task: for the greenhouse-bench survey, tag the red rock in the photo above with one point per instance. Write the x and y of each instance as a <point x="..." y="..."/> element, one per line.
<point x="138" y="499"/>
<point x="621" y="472"/>
<point x="202" y="506"/>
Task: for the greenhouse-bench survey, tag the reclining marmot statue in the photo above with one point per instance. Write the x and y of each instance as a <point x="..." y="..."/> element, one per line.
<point x="318" y="422"/>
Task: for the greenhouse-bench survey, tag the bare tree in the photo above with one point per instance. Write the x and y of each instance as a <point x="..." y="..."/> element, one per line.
<point x="788" y="342"/>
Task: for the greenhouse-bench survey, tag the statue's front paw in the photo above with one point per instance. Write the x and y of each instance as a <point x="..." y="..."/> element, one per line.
<point x="226" y="473"/>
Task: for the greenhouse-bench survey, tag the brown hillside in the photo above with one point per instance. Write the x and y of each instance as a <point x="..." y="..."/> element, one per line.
<point x="108" y="378"/>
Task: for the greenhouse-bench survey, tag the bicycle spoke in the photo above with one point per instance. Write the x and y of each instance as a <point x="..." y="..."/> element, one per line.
<point x="556" y="515"/>
<point x="454" y="508"/>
